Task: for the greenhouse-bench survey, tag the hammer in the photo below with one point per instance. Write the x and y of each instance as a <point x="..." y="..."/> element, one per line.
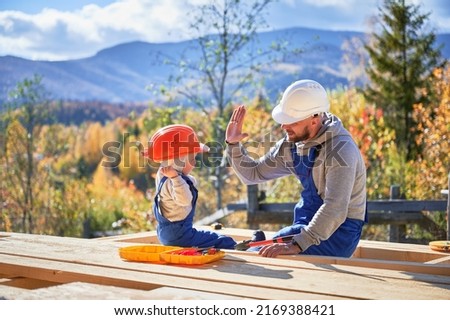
<point x="246" y="244"/>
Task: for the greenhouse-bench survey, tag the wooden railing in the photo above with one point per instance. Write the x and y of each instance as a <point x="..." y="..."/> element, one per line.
<point x="395" y="212"/>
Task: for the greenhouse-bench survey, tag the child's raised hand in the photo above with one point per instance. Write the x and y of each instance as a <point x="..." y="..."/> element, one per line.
<point x="169" y="172"/>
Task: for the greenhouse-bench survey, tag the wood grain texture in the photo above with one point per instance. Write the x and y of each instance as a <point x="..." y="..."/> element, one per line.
<point x="90" y="291"/>
<point x="238" y="275"/>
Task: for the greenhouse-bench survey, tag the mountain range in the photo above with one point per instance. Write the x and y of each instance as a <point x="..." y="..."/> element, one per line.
<point x="122" y="73"/>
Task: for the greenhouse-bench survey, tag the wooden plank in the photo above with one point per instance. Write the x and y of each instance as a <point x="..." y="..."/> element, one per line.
<point x="216" y="216"/>
<point x="390" y="269"/>
<point x="396" y="245"/>
<point x="397" y="251"/>
<point x="398" y="218"/>
<point x="396" y="212"/>
<point x="406" y="205"/>
<point x="237" y="206"/>
<point x="372" y="205"/>
<point x="27" y="283"/>
<point x="65" y="272"/>
<point x="340" y="284"/>
<point x="90" y="291"/>
<point x="275" y="217"/>
<point x="442" y="260"/>
<point x="397" y="255"/>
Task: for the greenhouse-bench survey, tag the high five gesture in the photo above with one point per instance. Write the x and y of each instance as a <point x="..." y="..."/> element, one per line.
<point x="234" y="129"/>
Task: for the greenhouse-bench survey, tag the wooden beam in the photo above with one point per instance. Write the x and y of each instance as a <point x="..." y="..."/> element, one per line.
<point x="395" y="218"/>
<point x="372" y="205"/>
<point x="27" y="283"/>
<point x="396" y="231"/>
<point x="443" y="260"/>
<point x="91" y="291"/>
<point x="448" y="209"/>
<point x="286" y="217"/>
<point x="252" y="206"/>
<point x="404" y="270"/>
<point x="378" y="218"/>
<point x="406" y="205"/>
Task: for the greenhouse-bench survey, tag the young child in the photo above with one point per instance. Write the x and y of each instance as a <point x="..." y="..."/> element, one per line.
<point x="175" y="147"/>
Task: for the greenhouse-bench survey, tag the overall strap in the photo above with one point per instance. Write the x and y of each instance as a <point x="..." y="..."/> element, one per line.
<point x="161" y="183"/>
<point x="185" y="178"/>
<point x="310" y="157"/>
<point x="191" y="187"/>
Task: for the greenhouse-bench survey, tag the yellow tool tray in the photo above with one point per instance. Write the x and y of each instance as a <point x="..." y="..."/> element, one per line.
<point x="174" y="256"/>
<point x="144" y="253"/>
<point x="169" y="254"/>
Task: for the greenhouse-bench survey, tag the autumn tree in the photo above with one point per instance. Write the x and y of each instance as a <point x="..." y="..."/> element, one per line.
<point x="429" y="173"/>
<point x="20" y="171"/>
<point x="403" y="56"/>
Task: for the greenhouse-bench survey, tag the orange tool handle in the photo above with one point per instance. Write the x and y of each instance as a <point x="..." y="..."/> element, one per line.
<point x="270" y="241"/>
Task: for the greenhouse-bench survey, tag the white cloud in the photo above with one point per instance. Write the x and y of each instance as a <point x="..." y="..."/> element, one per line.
<point x="83" y="32"/>
<point x="331" y="3"/>
<point x="290" y="3"/>
<point x="59" y="35"/>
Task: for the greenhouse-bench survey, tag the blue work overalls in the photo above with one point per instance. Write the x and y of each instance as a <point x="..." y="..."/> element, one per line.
<point x="344" y="240"/>
<point x="181" y="233"/>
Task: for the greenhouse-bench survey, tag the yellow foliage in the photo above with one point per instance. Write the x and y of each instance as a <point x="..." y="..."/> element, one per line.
<point x="90" y="143"/>
<point x="429" y="173"/>
<point x="133" y="163"/>
<point x="119" y="200"/>
<point x="375" y="141"/>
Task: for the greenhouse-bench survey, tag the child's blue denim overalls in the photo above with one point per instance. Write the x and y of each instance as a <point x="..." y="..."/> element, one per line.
<point x="181" y="233"/>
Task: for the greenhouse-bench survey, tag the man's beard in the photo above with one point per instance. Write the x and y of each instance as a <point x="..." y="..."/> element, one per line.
<point x="294" y="137"/>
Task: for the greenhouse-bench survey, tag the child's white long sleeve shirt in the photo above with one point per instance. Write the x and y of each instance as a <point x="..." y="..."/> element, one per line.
<point x="175" y="197"/>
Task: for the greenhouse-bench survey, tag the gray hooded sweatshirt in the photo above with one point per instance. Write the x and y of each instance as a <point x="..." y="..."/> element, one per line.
<point x="339" y="175"/>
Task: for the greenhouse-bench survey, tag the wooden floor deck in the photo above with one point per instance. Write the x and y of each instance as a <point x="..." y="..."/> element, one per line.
<point x="46" y="267"/>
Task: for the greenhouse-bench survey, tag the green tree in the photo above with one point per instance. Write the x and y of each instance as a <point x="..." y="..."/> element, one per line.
<point x="402" y="59"/>
<point x="230" y="61"/>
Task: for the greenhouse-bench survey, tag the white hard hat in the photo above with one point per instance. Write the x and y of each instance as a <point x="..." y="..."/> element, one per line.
<point x="300" y="100"/>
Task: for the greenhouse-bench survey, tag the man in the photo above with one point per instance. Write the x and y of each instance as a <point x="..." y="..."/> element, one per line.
<point x="320" y="152"/>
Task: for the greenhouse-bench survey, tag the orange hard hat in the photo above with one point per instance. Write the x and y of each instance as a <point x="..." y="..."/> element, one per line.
<point x="173" y="141"/>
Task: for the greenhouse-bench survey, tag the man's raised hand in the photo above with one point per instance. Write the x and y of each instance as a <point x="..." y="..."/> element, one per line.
<point x="234" y="129"/>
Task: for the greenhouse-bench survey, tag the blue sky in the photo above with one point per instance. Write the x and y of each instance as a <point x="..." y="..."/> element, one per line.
<point x="69" y="29"/>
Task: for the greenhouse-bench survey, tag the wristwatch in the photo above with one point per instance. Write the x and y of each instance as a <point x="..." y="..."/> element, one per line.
<point x="295" y="243"/>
